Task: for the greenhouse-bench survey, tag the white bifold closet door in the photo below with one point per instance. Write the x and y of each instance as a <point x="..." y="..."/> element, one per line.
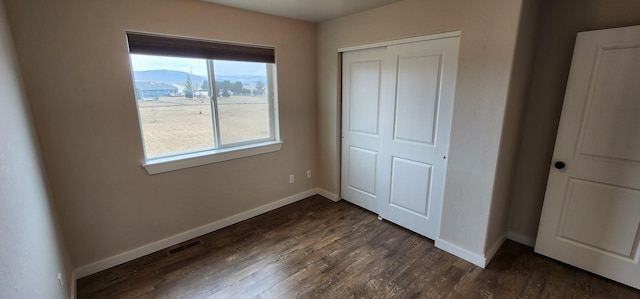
<point x="397" y="105"/>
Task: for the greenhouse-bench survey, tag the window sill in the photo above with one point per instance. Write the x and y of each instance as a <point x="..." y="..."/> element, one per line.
<point x="166" y="164"/>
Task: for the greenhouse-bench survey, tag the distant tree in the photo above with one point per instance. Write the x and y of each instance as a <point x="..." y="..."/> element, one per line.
<point x="259" y="88"/>
<point x="226" y="85"/>
<point x="237" y="87"/>
<point x="226" y="93"/>
<point x="205" y="86"/>
<point x="189" y="88"/>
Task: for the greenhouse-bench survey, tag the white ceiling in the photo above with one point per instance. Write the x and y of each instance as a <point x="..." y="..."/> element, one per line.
<point x="307" y="10"/>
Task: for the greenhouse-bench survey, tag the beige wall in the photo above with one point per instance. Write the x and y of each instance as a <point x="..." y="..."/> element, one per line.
<point x="513" y="120"/>
<point x="486" y="54"/>
<point x="32" y="250"/>
<point x="74" y="58"/>
<point x="561" y="21"/>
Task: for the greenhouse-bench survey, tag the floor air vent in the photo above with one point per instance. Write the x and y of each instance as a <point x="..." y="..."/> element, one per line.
<point x="183" y="247"/>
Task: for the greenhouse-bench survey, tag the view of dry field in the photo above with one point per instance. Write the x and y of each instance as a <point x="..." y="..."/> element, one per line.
<point x="178" y="124"/>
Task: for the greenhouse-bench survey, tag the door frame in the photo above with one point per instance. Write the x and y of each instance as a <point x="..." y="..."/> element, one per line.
<point x="421" y="38"/>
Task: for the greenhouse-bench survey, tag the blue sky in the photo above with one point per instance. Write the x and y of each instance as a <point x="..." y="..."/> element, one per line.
<point x="194" y="66"/>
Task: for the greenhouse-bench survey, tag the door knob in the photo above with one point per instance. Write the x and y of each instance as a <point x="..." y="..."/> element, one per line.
<point x="559" y="165"/>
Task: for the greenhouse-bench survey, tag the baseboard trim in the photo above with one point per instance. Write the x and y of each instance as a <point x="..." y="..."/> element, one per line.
<point x="462" y="253"/>
<point x="141" y="251"/>
<point x="493" y="249"/>
<point x="327" y="194"/>
<point x="522" y="239"/>
<point x="72" y="285"/>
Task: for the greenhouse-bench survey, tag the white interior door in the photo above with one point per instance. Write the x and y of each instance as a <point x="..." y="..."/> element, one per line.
<point x="591" y="213"/>
<point x="417" y="124"/>
<point x="397" y="110"/>
<point x="361" y="130"/>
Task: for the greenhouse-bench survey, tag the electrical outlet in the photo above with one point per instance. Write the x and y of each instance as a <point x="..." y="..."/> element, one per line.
<point x="61" y="282"/>
<point x="292" y="179"/>
<point x="308" y="174"/>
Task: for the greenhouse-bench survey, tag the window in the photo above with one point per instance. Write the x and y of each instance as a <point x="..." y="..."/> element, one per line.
<point x="202" y="102"/>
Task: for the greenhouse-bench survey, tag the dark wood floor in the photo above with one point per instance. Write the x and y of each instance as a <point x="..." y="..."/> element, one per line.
<point x="316" y="248"/>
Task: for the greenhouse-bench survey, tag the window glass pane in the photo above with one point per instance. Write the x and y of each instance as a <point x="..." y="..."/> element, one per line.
<point x="242" y="99"/>
<point x="173" y="103"/>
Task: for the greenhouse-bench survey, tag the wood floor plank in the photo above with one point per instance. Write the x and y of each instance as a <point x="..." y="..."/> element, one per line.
<point x="234" y="268"/>
<point x="320" y="260"/>
<point x="316" y="248"/>
<point x="392" y="263"/>
<point x="370" y="259"/>
<point x="310" y="253"/>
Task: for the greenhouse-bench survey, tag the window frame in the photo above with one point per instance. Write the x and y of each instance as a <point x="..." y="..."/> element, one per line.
<point x="152" y="44"/>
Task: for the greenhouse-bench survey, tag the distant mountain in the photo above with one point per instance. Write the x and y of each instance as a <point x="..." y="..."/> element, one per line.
<point x="178" y="77"/>
<point x="167" y="76"/>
